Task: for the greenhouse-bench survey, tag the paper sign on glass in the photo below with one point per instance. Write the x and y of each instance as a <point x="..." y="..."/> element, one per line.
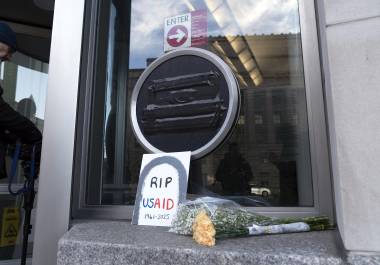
<point x="162" y="185"/>
<point x="185" y="30"/>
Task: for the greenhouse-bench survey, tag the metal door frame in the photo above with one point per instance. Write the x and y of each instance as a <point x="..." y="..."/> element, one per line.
<point x="54" y="195"/>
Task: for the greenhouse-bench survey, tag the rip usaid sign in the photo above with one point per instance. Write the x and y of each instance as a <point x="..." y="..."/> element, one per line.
<point x="162" y="185"/>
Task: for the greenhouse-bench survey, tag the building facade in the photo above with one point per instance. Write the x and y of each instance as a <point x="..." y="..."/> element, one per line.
<point x="306" y="139"/>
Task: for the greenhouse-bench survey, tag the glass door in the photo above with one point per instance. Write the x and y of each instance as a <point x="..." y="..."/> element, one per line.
<point x="272" y="159"/>
<point x="24" y="81"/>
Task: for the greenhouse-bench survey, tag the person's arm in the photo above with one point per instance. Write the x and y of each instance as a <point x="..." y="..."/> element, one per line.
<point x="18" y="125"/>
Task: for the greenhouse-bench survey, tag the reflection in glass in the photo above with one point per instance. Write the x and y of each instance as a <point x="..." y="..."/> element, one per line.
<point x="24" y="81"/>
<point x="260" y="40"/>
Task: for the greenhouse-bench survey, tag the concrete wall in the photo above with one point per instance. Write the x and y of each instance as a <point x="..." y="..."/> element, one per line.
<point x="351" y="49"/>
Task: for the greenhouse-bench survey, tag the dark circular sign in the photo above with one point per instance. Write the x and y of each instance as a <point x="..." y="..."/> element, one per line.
<point x="177" y="35"/>
<point x="186" y="100"/>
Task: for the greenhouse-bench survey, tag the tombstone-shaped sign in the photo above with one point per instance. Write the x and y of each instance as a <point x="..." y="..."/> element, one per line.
<point x="186" y="100"/>
<point x="162" y="185"/>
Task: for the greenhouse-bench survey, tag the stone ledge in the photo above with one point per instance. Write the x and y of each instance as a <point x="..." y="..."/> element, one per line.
<point x="361" y="259"/>
<point x="123" y="243"/>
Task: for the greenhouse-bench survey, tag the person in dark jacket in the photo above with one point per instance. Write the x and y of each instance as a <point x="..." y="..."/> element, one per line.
<point x="234" y="172"/>
<point x="13" y="125"/>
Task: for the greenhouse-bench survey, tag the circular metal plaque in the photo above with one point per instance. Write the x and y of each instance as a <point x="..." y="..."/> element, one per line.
<point x="186" y="100"/>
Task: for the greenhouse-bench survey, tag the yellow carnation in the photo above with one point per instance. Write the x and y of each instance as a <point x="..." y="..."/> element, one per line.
<point x="203" y="229"/>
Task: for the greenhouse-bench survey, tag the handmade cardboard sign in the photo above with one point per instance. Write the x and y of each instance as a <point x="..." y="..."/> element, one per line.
<point x="162" y="185"/>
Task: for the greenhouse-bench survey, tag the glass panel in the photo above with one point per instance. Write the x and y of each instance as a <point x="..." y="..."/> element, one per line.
<point x="266" y="160"/>
<point x="24" y="81"/>
<point x="13" y="228"/>
<point x="106" y="147"/>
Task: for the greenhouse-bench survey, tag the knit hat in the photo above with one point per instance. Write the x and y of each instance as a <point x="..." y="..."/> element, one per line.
<point x="8" y="36"/>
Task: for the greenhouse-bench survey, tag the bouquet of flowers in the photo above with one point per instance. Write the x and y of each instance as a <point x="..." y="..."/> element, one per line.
<point x="208" y="218"/>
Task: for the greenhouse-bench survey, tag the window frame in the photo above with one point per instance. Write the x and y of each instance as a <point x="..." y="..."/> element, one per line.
<point x="319" y="156"/>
